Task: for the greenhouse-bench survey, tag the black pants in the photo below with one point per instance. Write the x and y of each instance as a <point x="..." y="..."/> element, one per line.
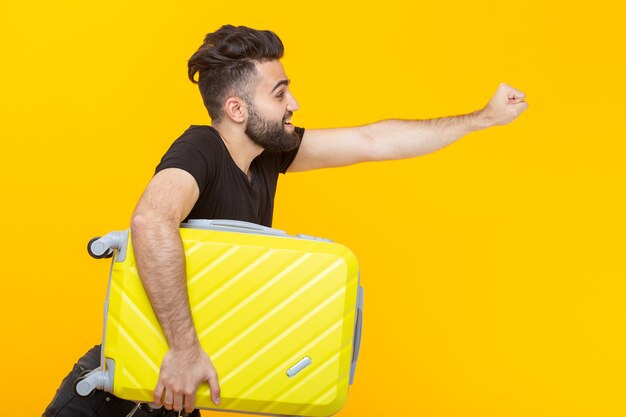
<point x="66" y="403"/>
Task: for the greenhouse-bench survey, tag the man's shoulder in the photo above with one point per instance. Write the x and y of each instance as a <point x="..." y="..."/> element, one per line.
<point x="196" y="150"/>
<point x="199" y="132"/>
<point x="202" y="137"/>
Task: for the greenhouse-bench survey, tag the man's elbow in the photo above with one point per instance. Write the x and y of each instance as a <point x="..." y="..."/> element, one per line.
<point x="145" y="221"/>
<point x="140" y="227"/>
<point x="138" y="222"/>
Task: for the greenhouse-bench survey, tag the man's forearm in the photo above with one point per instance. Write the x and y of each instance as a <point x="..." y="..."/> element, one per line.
<point x="160" y="261"/>
<point x="399" y="139"/>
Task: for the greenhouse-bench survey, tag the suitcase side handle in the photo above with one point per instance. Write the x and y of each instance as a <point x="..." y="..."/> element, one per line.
<point x="358" y="329"/>
<point x="232" y="226"/>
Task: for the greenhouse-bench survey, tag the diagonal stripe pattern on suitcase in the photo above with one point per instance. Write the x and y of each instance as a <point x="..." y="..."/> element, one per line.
<point x="260" y="305"/>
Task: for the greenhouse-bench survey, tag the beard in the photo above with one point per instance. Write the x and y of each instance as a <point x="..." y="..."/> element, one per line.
<point x="269" y="134"/>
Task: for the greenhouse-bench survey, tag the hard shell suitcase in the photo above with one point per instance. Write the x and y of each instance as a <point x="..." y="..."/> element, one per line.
<point x="280" y="317"/>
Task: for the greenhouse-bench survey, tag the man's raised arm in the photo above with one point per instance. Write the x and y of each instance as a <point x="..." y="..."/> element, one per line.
<point x="399" y="139"/>
<point x="158" y="248"/>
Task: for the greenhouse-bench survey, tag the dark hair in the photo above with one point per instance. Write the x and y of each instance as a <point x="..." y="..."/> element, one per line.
<point x="225" y="63"/>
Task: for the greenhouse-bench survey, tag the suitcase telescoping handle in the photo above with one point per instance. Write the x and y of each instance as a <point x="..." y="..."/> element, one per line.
<point x="232" y="226"/>
<point x="103" y="247"/>
<point x="243" y="227"/>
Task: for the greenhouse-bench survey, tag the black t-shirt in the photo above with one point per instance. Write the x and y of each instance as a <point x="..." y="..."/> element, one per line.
<point x="225" y="190"/>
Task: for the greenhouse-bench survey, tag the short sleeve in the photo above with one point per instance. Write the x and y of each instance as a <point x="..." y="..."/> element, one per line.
<point x="187" y="156"/>
<point x="286" y="158"/>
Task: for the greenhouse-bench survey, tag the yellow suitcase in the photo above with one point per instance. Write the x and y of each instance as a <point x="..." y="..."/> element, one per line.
<point x="280" y="316"/>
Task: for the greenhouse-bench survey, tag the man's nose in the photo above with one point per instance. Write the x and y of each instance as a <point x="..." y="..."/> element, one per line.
<point x="293" y="104"/>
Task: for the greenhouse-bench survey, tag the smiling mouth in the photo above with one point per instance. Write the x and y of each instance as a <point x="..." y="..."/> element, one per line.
<point x="287" y="119"/>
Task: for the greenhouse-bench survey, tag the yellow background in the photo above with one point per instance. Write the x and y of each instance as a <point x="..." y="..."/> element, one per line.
<point x="493" y="269"/>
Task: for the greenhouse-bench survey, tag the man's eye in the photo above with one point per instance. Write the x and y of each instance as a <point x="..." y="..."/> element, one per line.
<point x="280" y="95"/>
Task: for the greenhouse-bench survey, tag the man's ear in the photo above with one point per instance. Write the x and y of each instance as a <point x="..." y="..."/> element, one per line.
<point x="235" y="109"/>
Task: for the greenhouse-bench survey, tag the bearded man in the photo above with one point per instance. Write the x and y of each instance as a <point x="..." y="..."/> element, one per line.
<point x="229" y="171"/>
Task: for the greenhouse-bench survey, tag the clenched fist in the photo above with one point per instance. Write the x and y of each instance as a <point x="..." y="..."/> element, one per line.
<point x="505" y="106"/>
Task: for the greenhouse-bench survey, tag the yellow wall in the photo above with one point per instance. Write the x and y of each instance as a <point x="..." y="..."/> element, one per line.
<point x="493" y="269"/>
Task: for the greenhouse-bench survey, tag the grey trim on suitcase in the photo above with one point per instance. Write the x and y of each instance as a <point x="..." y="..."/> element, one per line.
<point x="239" y="226"/>
<point x="232" y="226"/>
<point x="358" y="328"/>
<point x="113" y="241"/>
<point x="97" y="379"/>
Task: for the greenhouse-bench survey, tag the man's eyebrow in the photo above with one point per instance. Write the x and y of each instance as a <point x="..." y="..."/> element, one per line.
<point x="280" y="83"/>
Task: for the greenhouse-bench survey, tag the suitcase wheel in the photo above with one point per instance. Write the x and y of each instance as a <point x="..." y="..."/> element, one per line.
<point x="107" y="254"/>
<point x="78" y="381"/>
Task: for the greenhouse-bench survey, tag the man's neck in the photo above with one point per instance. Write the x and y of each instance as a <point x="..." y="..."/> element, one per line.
<point x="240" y="147"/>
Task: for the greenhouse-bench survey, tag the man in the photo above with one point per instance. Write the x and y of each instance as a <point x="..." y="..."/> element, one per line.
<point x="229" y="170"/>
